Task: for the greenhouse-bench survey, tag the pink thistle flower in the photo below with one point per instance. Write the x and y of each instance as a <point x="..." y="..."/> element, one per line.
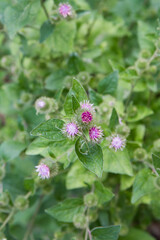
<point x="40" y="103"/>
<point x="65" y="9"/>
<point x="86" y="105"/>
<point x="95" y="133"/>
<point x="43" y="171"/>
<point x="86" y="117"/>
<point x="117" y="142"/>
<point x="71" y="129"/>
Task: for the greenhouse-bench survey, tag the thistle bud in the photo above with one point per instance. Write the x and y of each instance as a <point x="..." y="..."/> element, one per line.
<point x="90" y="200"/>
<point x="21" y="203"/>
<point x="83" y="77"/>
<point x="80" y="221"/>
<point x="156" y="145"/>
<point x="25" y="97"/>
<point x="123" y="130"/>
<point x="132" y="111"/>
<point x="152" y="69"/>
<point x="45" y="105"/>
<point x="4" y="199"/>
<point x="140" y="154"/>
<point x="142" y="64"/>
<point x="93" y="215"/>
<point x="145" y="54"/>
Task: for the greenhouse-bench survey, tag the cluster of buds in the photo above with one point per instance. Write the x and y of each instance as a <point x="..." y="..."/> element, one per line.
<point x="45" y="105"/>
<point x="84" y="121"/>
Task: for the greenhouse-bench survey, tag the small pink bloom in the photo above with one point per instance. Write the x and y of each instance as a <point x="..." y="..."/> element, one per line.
<point x="40" y="103"/>
<point x="117" y="142"/>
<point x="120" y="121"/>
<point x="95" y="133"/>
<point x="43" y="171"/>
<point x="86" y="105"/>
<point x="71" y="129"/>
<point x="86" y="117"/>
<point x="65" y="9"/>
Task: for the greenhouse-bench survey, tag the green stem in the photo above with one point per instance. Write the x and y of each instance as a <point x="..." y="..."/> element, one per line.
<point x="7" y="219"/>
<point x="45" y="10"/>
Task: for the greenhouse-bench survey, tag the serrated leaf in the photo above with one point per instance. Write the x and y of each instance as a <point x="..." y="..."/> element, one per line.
<point x="51" y="129"/>
<point x="103" y="194"/>
<point x="117" y="162"/>
<point x="90" y="155"/>
<point x="114" y="120"/>
<point x="105" y="233"/>
<point x="109" y="84"/>
<point x="45" y="31"/>
<point x="143" y="184"/>
<point x="66" y="210"/>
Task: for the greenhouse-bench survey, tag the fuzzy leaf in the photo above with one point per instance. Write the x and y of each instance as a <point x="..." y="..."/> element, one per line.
<point x="51" y="129"/>
<point x="109" y="84"/>
<point x="105" y="233"/>
<point x="90" y="155"/>
<point x="65" y="211"/>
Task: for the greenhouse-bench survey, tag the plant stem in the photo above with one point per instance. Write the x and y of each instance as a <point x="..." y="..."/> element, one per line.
<point x="31" y="224"/>
<point x="45" y="10"/>
<point x="7" y="219"/>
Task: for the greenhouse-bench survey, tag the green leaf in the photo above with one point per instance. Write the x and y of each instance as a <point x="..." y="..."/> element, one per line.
<point x="109" y="84"/>
<point x="78" y="176"/>
<point x="55" y="81"/>
<point x="156" y="162"/>
<point x="143" y="30"/>
<point x="126" y="182"/>
<point x="10" y="150"/>
<point x="117" y="162"/>
<point x="142" y="112"/>
<point x="29" y="184"/>
<point x="114" y="120"/>
<point x="94" y="97"/>
<point x="90" y="155"/>
<point x="63" y="37"/>
<point x="20" y="14"/>
<point x="51" y="129"/>
<point x="137" y="234"/>
<point x="76" y="95"/>
<point x="66" y="210"/>
<point x="38" y="146"/>
<point x="103" y="193"/>
<point x="143" y="184"/>
<point x="45" y="31"/>
<point x="105" y="233"/>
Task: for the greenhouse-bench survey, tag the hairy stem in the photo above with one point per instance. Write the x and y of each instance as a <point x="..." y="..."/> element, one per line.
<point x="31" y="224"/>
<point x="7" y="219"/>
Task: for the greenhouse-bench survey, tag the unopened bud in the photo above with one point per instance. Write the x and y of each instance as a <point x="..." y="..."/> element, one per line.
<point x="80" y="221"/>
<point x="25" y="97"/>
<point x="140" y="154"/>
<point x="123" y="130"/>
<point x="83" y="77"/>
<point x="145" y="53"/>
<point x="141" y="64"/>
<point x="4" y="199"/>
<point x="90" y="200"/>
<point x="152" y="69"/>
<point x="21" y="203"/>
<point x="45" y="105"/>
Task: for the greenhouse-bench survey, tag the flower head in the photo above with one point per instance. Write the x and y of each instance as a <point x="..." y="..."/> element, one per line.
<point x="71" y="129"/>
<point x="40" y="103"/>
<point x="117" y="142"/>
<point x="95" y="133"/>
<point x="86" y="105"/>
<point x="86" y="117"/>
<point x="65" y="9"/>
<point x="43" y="171"/>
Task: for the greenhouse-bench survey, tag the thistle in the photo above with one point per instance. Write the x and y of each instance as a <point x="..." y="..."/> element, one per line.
<point x="43" y="171"/>
<point x="65" y="9"/>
